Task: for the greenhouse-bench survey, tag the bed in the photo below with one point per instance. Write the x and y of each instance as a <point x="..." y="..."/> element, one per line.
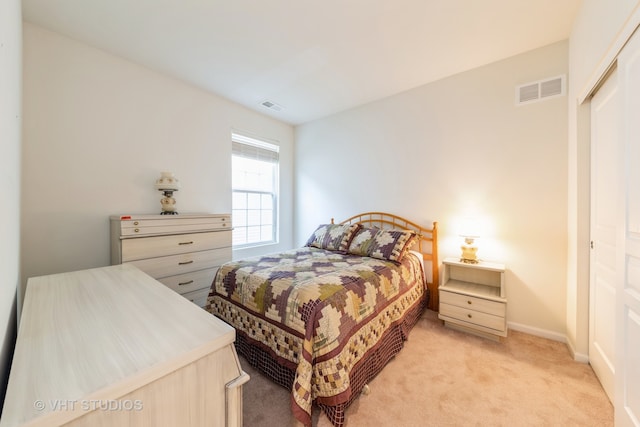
<point x="324" y="319"/>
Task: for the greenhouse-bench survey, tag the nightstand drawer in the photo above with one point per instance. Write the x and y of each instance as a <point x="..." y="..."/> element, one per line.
<point x="150" y="247"/>
<point x="184" y="263"/>
<point x="470" y="316"/>
<point x="189" y="282"/>
<point x="467" y="302"/>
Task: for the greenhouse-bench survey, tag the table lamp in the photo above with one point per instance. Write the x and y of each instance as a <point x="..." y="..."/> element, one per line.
<point x="469" y="231"/>
<point x="167" y="183"/>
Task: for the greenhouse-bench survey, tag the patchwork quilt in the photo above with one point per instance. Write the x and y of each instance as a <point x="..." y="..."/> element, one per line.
<point x="317" y="312"/>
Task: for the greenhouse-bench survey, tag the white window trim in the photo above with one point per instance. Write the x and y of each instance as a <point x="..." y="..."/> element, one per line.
<point x="269" y="152"/>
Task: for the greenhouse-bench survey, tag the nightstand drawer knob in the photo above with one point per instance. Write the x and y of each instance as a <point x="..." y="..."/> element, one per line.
<point x="136" y="223"/>
<point x="137" y="230"/>
<point x="469" y="316"/>
<point x="469" y="302"/>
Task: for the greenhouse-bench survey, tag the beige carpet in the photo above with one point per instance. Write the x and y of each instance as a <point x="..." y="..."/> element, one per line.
<point x="448" y="378"/>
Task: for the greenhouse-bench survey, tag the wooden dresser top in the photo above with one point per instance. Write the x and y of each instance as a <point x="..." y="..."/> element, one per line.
<point x="98" y="334"/>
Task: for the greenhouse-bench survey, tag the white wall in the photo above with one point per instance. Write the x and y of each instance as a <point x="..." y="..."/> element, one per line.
<point x="10" y="118"/>
<point x="97" y="132"/>
<point x="454" y="148"/>
<point x="595" y="29"/>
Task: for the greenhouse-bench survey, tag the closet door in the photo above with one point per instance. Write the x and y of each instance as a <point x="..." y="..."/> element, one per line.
<point x="627" y="399"/>
<point x="605" y="125"/>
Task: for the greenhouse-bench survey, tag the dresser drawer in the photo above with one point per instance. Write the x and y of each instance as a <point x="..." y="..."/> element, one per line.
<point x="150" y="247"/>
<point x="198" y="297"/>
<point x="495" y="308"/>
<point x="473" y="317"/>
<point x="156" y="225"/>
<point x="192" y="281"/>
<point x="179" y="264"/>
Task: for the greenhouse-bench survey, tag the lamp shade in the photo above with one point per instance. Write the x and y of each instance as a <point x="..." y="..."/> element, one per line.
<point x="470" y="227"/>
<point x="167" y="182"/>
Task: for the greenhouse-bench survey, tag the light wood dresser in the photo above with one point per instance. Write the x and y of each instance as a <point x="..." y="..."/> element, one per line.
<point x="473" y="298"/>
<point x="181" y="251"/>
<point x="113" y="347"/>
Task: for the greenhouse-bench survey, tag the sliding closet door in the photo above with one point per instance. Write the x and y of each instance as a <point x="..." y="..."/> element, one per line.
<point x="605" y="125"/>
<point x="627" y="401"/>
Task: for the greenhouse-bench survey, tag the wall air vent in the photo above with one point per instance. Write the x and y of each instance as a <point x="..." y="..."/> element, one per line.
<point x="272" y="105"/>
<point x="541" y="90"/>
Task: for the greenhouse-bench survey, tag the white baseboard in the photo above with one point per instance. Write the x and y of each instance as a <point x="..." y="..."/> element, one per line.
<point x="578" y="357"/>
<point x="555" y="336"/>
<point x="537" y="332"/>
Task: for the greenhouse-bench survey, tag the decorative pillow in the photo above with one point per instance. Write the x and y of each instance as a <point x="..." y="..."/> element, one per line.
<point x="382" y="244"/>
<point x="333" y="237"/>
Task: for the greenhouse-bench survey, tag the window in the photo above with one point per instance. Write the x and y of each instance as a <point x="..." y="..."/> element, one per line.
<point x="255" y="191"/>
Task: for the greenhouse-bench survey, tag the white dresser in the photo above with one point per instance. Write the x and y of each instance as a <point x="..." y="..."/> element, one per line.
<point x="113" y="347"/>
<point x="181" y="251"/>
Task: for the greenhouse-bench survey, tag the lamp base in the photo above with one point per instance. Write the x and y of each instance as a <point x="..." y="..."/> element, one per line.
<point x="469" y="251"/>
<point x="168" y="203"/>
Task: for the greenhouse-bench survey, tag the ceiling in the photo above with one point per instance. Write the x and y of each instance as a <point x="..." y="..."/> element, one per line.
<point x="313" y="58"/>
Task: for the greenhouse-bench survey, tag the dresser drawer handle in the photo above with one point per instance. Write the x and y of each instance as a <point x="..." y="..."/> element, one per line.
<point x="136" y="223"/>
<point x="469" y="316"/>
<point x="136" y="230"/>
<point x="186" y="243"/>
<point x="185" y="262"/>
<point x="185" y="283"/>
<point x="469" y="302"/>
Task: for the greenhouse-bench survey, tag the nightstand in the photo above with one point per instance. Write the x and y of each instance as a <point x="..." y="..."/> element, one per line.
<point x="472" y="298"/>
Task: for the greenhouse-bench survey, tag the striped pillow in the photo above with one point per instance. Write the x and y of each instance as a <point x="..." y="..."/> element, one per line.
<point x="382" y="244"/>
<point x="333" y="237"/>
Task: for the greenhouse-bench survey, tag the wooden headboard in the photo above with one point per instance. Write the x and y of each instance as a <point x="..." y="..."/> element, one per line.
<point x="427" y="243"/>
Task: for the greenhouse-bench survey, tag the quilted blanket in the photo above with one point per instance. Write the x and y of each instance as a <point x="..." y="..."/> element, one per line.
<point x="316" y="311"/>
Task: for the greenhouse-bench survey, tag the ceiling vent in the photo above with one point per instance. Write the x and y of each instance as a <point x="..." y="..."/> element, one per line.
<point x="541" y="90"/>
<point x="272" y="105"/>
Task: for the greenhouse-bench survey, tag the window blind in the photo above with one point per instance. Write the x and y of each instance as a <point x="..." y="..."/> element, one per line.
<point x="250" y="148"/>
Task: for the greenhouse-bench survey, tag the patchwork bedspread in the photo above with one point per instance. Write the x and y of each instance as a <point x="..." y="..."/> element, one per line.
<point x="316" y="311"/>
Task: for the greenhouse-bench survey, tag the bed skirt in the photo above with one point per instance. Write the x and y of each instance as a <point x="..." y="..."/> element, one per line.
<point x="392" y="341"/>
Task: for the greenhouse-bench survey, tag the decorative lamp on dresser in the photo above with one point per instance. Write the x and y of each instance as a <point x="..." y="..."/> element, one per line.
<point x="181" y="251"/>
<point x="473" y="298"/>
